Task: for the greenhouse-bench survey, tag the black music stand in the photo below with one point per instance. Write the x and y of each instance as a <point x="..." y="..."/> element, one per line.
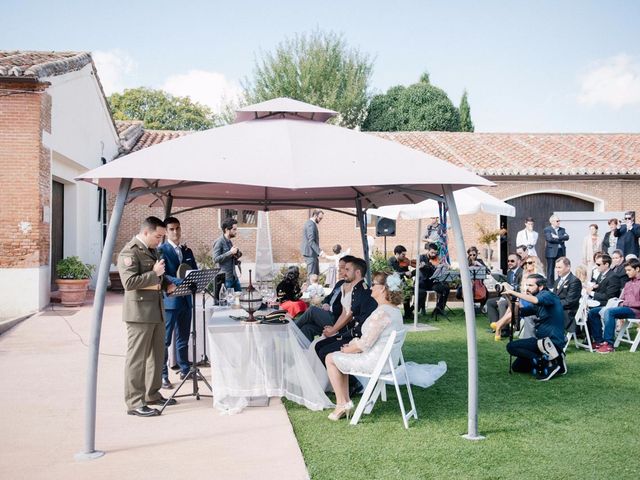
<point x="443" y="274"/>
<point x="217" y="284"/>
<point x="196" y="282"/>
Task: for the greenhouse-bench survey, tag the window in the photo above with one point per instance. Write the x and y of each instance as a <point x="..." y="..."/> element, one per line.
<point x="371" y="221"/>
<point x="245" y="218"/>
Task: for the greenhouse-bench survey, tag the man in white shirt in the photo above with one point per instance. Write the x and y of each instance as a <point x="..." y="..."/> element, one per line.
<point x="528" y="237"/>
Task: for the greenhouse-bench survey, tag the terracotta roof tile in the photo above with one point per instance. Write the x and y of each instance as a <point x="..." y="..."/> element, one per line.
<point x="41" y="64"/>
<point x="501" y="154"/>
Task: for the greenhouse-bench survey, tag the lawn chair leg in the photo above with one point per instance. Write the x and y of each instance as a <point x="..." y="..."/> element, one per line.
<point x="621" y="334"/>
<point x="366" y="395"/>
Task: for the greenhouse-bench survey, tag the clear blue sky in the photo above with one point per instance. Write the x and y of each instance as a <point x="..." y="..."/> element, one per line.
<point x="529" y="66"/>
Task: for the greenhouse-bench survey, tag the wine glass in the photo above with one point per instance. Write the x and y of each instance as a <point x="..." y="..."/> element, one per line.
<point x="230" y="296"/>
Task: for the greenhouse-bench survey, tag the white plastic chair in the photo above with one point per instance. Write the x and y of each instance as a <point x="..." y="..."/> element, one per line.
<point x="428" y="294"/>
<point x="581" y="320"/>
<point x="625" y="335"/>
<point x="376" y="386"/>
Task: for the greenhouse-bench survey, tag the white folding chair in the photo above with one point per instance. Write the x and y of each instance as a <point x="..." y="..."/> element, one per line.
<point x="625" y="335"/>
<point x="428" y="294"/>
<point x="581" y="321"/>
<point x="392" y="358"/>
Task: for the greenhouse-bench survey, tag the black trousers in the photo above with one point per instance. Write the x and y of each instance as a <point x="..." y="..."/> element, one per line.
<point x="330" y="345"/>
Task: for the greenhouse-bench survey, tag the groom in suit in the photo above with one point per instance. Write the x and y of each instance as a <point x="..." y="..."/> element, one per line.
<point x="177" y="309"/>
<point x="555" y="236"/>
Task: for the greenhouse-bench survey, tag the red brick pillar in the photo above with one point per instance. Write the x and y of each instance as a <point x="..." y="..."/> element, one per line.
<point x="25" y="175"/>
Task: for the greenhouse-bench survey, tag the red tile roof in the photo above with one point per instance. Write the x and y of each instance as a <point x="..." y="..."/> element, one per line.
<point x="134" y="136"/>
<point x="506" y="154"/>
<point x="41" y="64"/>
<point x="502" y="154"/>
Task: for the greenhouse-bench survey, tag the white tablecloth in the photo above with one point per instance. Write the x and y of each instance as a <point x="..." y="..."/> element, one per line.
<point x="254" y="360"/>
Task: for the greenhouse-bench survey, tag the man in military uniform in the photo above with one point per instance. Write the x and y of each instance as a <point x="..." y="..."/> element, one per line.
<point x="142" y="274"/>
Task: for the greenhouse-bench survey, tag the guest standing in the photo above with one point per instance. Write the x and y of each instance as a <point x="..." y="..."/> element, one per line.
<point x="310" y="247"/>
<point x="528" y="237"/>
<point x="628" y="235"/>
<point x="555" y="236"/>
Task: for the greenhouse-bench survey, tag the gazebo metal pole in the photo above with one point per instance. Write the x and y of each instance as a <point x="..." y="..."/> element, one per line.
<point x="89" y="451"/>
<point x="416" y="290"/>
<point x="168" y="204"/>
<point x="470" y="318"/>
<point x="362" y="223"/>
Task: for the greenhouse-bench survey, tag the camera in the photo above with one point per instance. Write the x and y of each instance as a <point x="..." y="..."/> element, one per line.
<point x="499" y="288"/>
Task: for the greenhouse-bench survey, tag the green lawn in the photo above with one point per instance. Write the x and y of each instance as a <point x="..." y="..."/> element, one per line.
<point x="582" y="425"/>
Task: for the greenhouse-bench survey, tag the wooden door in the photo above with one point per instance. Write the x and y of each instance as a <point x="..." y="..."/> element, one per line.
<point x="540" y="207"/>
<point x="57" y="228"/>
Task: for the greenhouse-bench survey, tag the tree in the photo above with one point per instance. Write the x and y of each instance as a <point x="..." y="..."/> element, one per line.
<point x="466" y="125"/>
<point x="160" y="110"/>
<point x="317" y="68"/>
<point x="418" y="107"/>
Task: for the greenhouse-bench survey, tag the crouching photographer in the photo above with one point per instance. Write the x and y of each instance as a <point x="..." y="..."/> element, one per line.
<point x="543" y="354"/>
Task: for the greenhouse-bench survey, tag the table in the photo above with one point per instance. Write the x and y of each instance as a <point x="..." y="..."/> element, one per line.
<point x="255" y="360"/>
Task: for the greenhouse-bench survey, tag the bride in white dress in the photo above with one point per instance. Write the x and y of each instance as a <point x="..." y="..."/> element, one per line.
<point x="362" y="353"/>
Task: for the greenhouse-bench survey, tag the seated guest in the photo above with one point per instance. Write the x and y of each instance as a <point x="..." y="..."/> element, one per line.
<point x="569" y="290"/>
<point x="314" y="289"/>
<point x="363" y="353"/>
<point x="629" y="308"/>
<point x="532" y="266"/>
<point x="497" y="306"/>
<point x="606" y="284"/>
<point x="349" y="325"/>
<point x="399" y="263"/>
<point x="289" y="293"/>
<point x="337" y="303"/>
<point x="617" y="265"/>
<point x="549" y="337"/>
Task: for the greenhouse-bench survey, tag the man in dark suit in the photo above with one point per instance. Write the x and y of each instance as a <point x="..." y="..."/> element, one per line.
<point x="177" y="309"/>
<point x="310" y="247"/>
<point x="349" y="326"/>
<point x="628" y="235"/>
<point x="315" y="319"/>
<point x="497" y="306"/>
<point x="617" y="267"/>
<point x="606" y="284"/>
<point x="568" y="288"/>
<point x="555" y="236"/>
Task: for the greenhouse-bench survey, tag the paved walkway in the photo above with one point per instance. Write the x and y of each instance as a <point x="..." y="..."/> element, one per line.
<point x="43" y="363"/>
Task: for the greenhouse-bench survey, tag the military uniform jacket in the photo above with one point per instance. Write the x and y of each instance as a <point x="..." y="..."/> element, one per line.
<point x="142" y="287"/>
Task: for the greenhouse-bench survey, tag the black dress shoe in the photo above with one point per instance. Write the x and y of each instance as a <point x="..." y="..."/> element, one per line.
<point x="162" y="401"/>
<point x="166" y="383"/>
<point x="144" y="411"/>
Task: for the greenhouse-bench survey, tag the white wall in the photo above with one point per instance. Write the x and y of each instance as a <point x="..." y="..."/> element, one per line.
<point x="577" y="226"/>
<point x="27" y="289"/>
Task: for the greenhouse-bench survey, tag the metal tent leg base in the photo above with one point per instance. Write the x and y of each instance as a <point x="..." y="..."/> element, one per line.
<point x="84" y="456"/>
<point x="468" y="436"/>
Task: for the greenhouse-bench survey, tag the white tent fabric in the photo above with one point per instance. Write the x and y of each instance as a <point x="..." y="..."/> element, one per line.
<point x="468" y="200"/>
<point x="281" y="160"/>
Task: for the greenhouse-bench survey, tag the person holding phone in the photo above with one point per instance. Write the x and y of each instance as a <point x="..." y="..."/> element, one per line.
<point x="628" y="234"/>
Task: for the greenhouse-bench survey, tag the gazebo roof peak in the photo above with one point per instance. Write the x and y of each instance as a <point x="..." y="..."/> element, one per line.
<point x="284" y="107"/>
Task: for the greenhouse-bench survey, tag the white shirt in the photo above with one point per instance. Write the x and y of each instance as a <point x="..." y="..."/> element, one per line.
<point x="526" y="237"/>
<point x="177" y="249"/>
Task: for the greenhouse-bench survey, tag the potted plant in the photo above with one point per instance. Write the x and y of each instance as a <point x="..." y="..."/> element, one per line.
<point x="73" y="280"/>
<point x="486" y="238"/>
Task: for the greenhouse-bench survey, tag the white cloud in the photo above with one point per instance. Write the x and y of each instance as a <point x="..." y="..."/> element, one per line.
<point x="614" y="82"/>
<point x="209" y="88"/>
<point x="113" y="67"/>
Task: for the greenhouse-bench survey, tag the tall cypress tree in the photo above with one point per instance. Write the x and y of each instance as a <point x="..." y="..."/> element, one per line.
<point x="466" y="125"/>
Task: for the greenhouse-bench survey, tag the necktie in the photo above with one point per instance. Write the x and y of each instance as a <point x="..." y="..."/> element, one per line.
<point x="179" y="253"/>
<point x="510" y="277"/>
<point x="560" y="284"/>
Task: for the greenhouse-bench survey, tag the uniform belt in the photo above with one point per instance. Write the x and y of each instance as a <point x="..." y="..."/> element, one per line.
<point x="153" y="287"/>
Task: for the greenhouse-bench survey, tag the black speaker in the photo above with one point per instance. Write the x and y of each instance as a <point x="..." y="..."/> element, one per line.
<point x="385" y="227"/>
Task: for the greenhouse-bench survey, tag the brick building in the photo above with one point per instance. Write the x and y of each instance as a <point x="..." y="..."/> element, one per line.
<point x="55" y="124"/>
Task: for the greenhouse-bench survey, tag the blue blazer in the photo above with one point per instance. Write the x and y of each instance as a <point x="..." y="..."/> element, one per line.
<point x="171" y="263"/>
<point x="555" y="246"/>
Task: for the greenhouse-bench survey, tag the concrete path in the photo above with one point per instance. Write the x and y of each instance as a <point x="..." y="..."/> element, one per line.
<point x="43" y="363"/>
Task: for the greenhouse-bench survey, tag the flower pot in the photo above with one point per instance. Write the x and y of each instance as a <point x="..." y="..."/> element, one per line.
<point x="72" y="292"/>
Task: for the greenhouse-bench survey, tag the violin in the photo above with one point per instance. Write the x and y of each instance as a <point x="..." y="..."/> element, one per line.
<point x="406" y="263"/>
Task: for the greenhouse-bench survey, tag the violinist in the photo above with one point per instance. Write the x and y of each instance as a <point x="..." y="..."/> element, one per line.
<point x="429" y="264"/>
<point x="400" y="264"/>
<point x="480" y="293"/>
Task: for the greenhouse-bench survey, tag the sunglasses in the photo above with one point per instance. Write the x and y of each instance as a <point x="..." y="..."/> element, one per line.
<point x="530" y="262"/>
<point x="627" y="218"/>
